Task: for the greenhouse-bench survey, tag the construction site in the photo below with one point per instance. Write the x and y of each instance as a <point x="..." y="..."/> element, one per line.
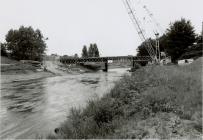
<point x="142" y="79"/>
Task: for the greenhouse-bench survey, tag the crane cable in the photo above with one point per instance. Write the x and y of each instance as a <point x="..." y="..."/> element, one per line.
<point x="134" y="19"/>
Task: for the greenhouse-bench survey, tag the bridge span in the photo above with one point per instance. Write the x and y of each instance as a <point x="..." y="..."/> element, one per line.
<point x="133" y="59"/>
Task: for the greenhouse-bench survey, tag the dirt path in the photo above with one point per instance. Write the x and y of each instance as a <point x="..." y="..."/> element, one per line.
<point x="53" y="66"/>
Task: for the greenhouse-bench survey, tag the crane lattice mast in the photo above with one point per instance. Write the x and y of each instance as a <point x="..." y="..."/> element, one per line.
<point x="141" y="32"/>
<point x="153" y="19"/>
<point x="156" y="32"/>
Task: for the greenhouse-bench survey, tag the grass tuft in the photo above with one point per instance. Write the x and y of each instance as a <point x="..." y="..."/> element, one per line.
<point x="153" y="102"/>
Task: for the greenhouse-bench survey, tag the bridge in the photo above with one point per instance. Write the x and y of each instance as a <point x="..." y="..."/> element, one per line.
<point x="105" y="60"/>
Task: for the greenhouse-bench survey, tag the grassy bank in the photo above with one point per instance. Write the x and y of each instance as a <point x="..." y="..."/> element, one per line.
<point x="154" y="102"/>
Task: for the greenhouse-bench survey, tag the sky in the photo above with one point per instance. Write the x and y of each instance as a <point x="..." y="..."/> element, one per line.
<point x="71" y="24"/>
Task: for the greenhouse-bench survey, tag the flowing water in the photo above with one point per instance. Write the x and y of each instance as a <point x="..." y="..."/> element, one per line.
<point x="36" y="107"/>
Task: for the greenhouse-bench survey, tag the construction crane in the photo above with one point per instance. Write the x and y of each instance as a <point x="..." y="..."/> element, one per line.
<point x="140" y="31"/>
<point x="153" y="19"/>
<point x="156" y="32"/>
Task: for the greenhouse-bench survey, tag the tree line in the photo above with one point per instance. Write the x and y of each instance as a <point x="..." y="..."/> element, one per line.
<point x="27" y="43"/>
<point x="175" y="41"/>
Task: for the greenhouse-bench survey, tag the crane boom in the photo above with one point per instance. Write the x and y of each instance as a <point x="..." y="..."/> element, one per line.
<point x="156" y="31"/>
<point x="150" y="14"/>
<point x="140" y="31"/>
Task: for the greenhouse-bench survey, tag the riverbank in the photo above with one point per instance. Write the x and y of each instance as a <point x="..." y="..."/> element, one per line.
<point x="36" y="107"/>
<point x="7" y="78"/>
<point x="13" y="71"/>
<point x="154" y="102"/>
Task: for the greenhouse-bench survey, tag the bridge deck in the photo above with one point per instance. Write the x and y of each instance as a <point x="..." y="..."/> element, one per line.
<point x="105" y="59"/>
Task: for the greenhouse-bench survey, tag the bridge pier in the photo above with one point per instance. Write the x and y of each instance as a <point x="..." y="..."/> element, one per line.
<point x="105" y="66"/>
<point x="133" y="63"/>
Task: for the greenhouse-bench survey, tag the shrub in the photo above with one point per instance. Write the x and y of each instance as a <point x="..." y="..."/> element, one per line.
<point x="147" y="92"/>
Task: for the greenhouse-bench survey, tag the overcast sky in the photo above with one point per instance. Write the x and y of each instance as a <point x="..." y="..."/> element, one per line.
<point x="70" y="24"/>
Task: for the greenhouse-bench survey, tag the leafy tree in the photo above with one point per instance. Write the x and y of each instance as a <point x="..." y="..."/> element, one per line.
<point x="175" y="42"/>
<point x="163" y="43"/>
<point x="180" y="36"/>
<point x="26" y="43"/>
<point x="3" y="49"/>
<point x="76" y="55"/>
<point x="199" y="39"/>
<point x="96" y="51"/>
<point x="90" y="51"/>
<point x="84" y="52"/>
<point x="93" y="51"/>
<point x="142" y="50"/>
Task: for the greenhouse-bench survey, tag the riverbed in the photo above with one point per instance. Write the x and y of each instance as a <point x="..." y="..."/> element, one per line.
<point x="35" y="107"/>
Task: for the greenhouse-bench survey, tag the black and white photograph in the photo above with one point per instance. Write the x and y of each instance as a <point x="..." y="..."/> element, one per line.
<point x="101" y="69"/>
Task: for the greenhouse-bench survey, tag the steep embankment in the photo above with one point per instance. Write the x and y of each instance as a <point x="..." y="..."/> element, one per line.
<point x="154" y="102"/>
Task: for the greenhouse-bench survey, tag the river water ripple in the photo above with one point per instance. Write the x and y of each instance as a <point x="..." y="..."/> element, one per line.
<point x="37" y="107"/>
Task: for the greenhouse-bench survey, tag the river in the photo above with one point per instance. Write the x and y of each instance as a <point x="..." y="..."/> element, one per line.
<point x="36" y="107"/>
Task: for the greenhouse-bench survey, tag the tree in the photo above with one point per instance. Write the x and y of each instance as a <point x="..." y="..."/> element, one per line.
<point x="199" y="39"/>
<point x="75" y="55"/>
<point x="96" y="51"/>
<point x="26" y="43"/>
<point x="93" y="51"/>
<point x="163" y="43"/>
<point x="142" y="49"/>
<point x="180" y="36"/>
<point x="84" y="52"/>
<point x="3" y="49"/>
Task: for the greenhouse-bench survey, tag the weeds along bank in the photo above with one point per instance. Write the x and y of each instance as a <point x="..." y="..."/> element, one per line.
<point x="154" y="102"/>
